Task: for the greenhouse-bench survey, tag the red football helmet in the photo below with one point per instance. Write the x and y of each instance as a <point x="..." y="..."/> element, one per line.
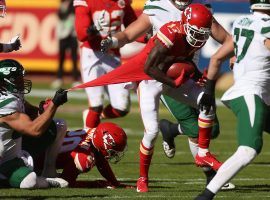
<point x="2" y="8"/>
<point x="110" y="140"/>
<point x="197" y="20"/>
<point x="182" y="4"/>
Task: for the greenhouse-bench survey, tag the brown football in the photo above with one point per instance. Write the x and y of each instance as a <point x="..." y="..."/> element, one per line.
<point x="175" y="69"/>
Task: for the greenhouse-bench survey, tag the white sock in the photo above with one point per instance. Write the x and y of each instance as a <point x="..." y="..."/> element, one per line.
<point x="241" y="158"/>
<point x="49" y="169"/>
<point x="29" y="181"/>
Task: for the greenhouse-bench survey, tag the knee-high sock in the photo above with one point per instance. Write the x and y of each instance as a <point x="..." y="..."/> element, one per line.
<point x="205" y="129"/>
<point x="241" y="158"/>
<point x="49" y="166"/>
<point x="92" y="119"/>
<point x="145" y="160"/>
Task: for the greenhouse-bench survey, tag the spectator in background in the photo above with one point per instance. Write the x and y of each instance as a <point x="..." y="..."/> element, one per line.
<point x="67" y="41"/>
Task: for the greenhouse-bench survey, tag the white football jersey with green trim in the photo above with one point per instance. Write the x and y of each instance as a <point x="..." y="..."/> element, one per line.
<point x="10" y="104"/>
<point x="252" y="67"/>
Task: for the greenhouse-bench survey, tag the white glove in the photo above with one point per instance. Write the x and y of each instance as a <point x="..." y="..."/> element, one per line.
<point x="101" y="23"/>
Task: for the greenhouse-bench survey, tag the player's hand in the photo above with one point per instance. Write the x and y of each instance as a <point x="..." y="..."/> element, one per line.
<point x="60" y="97"/>
<point x="15" y="43"/>
<point x="181" y="79"/>
<point x="106" y="44"/>
<point x="101" y="23"/>
<point x="202" y="81"/>
<point x="207" y="101"/>
<point x="43" y="105"/>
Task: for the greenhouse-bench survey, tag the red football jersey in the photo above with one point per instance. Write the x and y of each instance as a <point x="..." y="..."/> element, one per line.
<point x="115" y="13"/>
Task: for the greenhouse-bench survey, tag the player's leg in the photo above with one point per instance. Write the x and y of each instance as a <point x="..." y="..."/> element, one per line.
<point x="49" y="167"/>
<point x="119" y="96"/>
<point x="17" y="175"/>
<point x="91" y="68"/>
<point x="190" y="93"/>
<point x="148" y="93"/>
<point x="251" y="113"/>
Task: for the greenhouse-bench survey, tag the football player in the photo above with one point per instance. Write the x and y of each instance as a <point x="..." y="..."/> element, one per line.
<point x="14" y="44"/>
<point x="95" y="20"/>
<point x="17" y="118"/>
<point x="155" y="14"/>
<point x="249" y="97"/>
<point x="174" y="42"/>
<point x="83" y="149"/>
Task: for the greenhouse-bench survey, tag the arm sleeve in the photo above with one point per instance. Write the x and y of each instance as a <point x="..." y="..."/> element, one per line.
<point x="105" y="169"/>
<point x="82" y="22"/>
<point x="166" y="35"/>
<point x="130" y="15"/>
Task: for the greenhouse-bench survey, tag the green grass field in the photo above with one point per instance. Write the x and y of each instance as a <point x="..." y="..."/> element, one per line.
<point x="176" y="178"/>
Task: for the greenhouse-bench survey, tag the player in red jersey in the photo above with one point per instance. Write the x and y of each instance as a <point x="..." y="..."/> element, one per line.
<point x="175" y="41"/>
<point x="83" y="149"/>
<point x="95" y="20"/>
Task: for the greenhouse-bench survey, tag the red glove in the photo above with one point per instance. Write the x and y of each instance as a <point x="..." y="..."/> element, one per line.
<point x="201" y="82"/>
<point x="181" y="79"/>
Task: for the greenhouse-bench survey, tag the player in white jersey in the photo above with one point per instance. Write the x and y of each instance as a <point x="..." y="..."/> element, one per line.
<point x="249" y="97"/>
<point x="156" y="14"/>
<point x="17" y="118"/>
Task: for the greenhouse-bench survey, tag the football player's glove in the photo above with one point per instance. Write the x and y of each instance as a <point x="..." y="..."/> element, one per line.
<point x="207" y="101"/>
<point x="60" y="97"/>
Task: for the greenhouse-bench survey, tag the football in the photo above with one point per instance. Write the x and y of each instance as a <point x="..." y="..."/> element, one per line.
<point x="175" y="69"/>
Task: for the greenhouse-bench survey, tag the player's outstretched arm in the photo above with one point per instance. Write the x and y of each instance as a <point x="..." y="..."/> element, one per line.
<point x="136" y="29"/>
<point x="219" y="33"/>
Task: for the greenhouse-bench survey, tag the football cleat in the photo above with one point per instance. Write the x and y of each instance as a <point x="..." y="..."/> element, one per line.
<point x="142" y="184"/>
<point x="208" y="161"/>
<point x="168" y="139"/>
<point x="228" y="186"/>
<point x="57" y="182"/>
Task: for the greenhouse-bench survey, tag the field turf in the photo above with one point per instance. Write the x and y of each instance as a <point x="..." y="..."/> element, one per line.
<point x="176" y="178"/>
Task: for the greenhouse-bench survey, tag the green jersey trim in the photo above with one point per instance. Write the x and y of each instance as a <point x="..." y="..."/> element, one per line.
<point x="265" y="30"/>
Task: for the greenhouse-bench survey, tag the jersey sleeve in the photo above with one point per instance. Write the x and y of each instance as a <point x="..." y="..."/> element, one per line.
<point x="82" y="19"/>
<point x="8" y="106"/>
<point x="166" y="35"/>
<point x="265" y="30"/>
<point x="130" y="15"/>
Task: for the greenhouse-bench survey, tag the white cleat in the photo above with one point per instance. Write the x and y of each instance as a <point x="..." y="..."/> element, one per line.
<point x="57" y="182"/>
<point x="169" y="151"/>
<point x="228" y="186"/>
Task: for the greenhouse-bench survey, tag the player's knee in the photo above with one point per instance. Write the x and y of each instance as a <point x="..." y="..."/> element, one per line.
<point x="247" y="154"/>
<point x="121" y="113"/>
<point x="29" y="181"/>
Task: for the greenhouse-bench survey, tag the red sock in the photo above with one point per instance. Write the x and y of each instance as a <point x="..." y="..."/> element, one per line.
<point x="110" y="112"/>
<point x="205" y="129"/>
<point x="92" y="119"/>
<point x="145" y="160"/>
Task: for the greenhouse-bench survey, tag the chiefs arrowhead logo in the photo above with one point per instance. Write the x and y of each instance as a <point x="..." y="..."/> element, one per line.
<point x="108" y="140"/>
